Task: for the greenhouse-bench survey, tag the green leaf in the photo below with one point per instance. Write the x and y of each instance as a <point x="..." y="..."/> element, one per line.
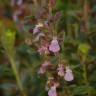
<point x="84" y="48"/>
<point x="61" y="4"/>
<point x="5" y="71"/>
<point x="28" y="53"/>
<point x="8" y="40"/>
<point x="79" y="90"/>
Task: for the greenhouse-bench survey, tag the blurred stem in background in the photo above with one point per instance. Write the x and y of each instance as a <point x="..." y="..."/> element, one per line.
<point x="19" y="83"/>
<point x="86" y="15"/>
<point x="7" y="38"/>
<point x="85" y="75"/>
<point x="86" y="21"/>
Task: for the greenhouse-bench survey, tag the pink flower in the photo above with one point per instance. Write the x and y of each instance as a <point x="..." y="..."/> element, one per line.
<point x="16" y="14"/>
<point x="41" y="70"/>
<point x="68" y="75"/>
<point x="43" y="67"/>
<point x="54" y="46"/>
<point x="45" y="64"/>
<point x="53" y="2"/>
<point x="35" y="30"/>
<point x="52" y="91"/>
<point x="60" y="70"/>
<point x="43" y="49"/>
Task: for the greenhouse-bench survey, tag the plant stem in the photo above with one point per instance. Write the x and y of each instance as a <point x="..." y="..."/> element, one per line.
<point x="86" y="15"/>
<point x="13" y="65"/>
<point x="86" y="21"/>
<point x="85" y="75"/>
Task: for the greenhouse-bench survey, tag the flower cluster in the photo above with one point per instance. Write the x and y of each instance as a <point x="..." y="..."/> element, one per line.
<point x="59" y="71"/>
<point x="47" y="43"/>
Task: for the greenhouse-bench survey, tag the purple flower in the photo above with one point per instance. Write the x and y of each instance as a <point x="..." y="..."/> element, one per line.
<point x="45" y="64"/>
<point x="35" y="30"/>
<point x="60" y="70"/>
<point x="16" y="14"/>
<point x="43" y="49"/>
<point x="68" y="75"/>
<point x="43" y="67"/>
<point x="52" y="91"/>
<point x="54" y="46"/>
<point x="53" y="2"/>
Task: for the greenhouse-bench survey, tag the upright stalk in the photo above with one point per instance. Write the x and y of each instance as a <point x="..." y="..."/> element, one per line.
<point x="86" y="15"/>
<point x="13" y="65"/>
<point x="84" y="67"/>
<point x="86" y="22"/>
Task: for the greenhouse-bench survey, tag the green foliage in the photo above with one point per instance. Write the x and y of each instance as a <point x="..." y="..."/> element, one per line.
<point x="20" y="62"/>
<point x="84" y="48"/>
<point x="8" y="39"/>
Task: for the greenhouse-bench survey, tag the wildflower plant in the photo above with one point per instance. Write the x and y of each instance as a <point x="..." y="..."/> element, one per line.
<point x="50" y="51"/>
